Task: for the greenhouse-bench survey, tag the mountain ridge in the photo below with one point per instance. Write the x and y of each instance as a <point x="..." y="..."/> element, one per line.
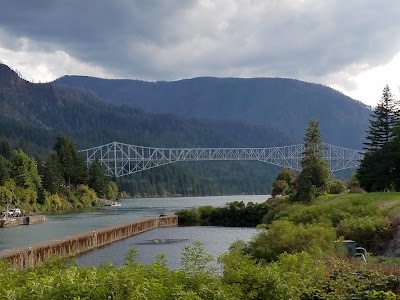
<point x="283" y="103"/>
<point x="60" y="108"/>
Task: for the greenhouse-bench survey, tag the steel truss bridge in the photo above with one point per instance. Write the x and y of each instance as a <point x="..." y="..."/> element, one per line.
<point x="122" y="159"/>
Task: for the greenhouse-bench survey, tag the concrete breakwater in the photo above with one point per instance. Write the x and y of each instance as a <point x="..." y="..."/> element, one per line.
<point x="34" y="255"/>
<point x="25" y="220"/>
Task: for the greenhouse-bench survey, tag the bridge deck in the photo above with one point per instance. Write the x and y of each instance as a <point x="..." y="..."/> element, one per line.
<point x="121" y="159"/>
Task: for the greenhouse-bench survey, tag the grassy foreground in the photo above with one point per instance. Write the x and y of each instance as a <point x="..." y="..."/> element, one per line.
<point x="296" y="258"/>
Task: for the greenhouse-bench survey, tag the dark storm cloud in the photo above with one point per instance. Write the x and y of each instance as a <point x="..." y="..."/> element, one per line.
<point x="176" y="39"/>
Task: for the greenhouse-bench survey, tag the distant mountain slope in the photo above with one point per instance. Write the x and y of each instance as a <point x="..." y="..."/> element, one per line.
<point x="33" y="114"/>
<point x="285" y="104"/>
<point x="40" y="110"/>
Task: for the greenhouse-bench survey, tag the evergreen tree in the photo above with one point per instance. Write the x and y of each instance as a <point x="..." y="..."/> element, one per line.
<point x="52" y="175"/>
<point x="5" y="149"/>
<point x="384" y="119"/>
<point x="72" y="163"/>
<point x="315" y="176"/>
<point x="376" y="171"/>
<point x="98" y="180"/>
<point x="4" y="170"/>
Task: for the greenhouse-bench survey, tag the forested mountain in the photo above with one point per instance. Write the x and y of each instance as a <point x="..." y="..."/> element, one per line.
<point x="32" y="115"/>
<point x="275" y="102"/>
<point x="42" y="109"/>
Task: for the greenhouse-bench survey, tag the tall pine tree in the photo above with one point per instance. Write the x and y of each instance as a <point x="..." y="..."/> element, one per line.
<point x="384" y="119"/>
<point x="315" y="177"/>
<point x="376" y="171"/>
<point x="72" y="164"/>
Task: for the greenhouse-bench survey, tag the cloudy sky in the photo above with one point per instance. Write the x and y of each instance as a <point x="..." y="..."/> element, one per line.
<point x="350" y="45"/>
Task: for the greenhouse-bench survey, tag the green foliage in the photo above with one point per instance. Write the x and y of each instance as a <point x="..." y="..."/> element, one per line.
<point x="23" y="170"/>
<point x="291" y="276"/>
<point x="284" y="236"/>
<point x="188" y="217"/>
<point x="112" y="190"/>
<point x="4" y="170"/>
<point x="98" y="180"/>
<point x="233" y="214"/>
<point x="337" y="187"/>
<point x="284" y="184"/>
<point x="315" y="177"/>
<point x="86" y="196"/>
<point x="72" y="164"/>
<point x="59" y="185"/>
<point x="196" y="261"/>
<point x="360" y="217"/>
<point x="52" y="175"/>
<point x="378" y="169"/>
<point x="368" y="231"/>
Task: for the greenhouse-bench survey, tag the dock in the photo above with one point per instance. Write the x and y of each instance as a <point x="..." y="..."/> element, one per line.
<point x="33" y="255"/>
<point x="24" y="220"/>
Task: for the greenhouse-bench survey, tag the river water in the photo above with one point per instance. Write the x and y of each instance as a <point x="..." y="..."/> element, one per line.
<point x="171" y="241"/>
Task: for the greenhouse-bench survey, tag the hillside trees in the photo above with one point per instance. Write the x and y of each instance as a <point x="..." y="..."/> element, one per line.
<point x="72" y="165"/>
<point x="315" y="177"/>
<point x="52" y="177"/>
<point x="98" y="180"/>
<point x="377" y="169"/>
<point x="59" y="181"/>
<point x="19" y="179"/>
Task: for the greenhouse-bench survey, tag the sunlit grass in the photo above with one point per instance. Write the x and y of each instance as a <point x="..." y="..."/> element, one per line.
<point x="368" y="197"/>
<point x="389" y="203"/>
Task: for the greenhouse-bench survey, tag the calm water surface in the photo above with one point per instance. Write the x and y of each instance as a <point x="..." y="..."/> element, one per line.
<point x="216" y="239"/>
<point x="169" y="241"/>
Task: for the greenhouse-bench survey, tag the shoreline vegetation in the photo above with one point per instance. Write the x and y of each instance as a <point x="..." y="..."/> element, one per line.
<point x="60" y="182"/>
<point x="299" y="252"/>
<point x="293" y="256"/>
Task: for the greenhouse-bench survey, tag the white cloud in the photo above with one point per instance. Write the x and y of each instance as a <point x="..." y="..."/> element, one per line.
<point x="367" y="86"/>
<point x="47" y="66"/>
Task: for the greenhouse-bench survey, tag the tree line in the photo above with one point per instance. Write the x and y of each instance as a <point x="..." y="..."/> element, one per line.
<point x="60" y="181"/>
<point x="380" y="168"/>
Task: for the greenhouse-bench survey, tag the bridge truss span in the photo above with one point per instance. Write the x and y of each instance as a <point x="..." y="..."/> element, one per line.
<point x="121" y="159"/>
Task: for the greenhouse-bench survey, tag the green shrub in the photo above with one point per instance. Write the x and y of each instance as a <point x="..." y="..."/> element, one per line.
<point x="368" y="231"/>
<point x="188" y="217"/>
<point x="337" y="187"/>
<point x="284" y="236"/>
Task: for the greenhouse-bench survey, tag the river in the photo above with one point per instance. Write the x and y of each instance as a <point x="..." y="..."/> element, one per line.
<point x="216" y="240"/>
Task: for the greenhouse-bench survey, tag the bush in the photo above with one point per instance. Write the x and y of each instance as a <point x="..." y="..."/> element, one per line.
<point x="369" y="231"/>
<point x="284" y="236"/>
<point x="337" y="187"/>
<point x="188" y="217"/>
